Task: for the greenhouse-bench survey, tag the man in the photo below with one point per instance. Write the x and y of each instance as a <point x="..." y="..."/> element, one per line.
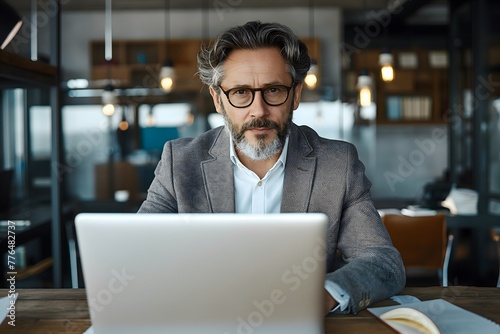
<point x="261" y="162"/>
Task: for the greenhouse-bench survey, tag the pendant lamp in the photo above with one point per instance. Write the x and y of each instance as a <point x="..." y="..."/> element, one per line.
<point x="109" y="98"/>
<point x="311" y="78"/>
<point x="364" y="86"/>
<point x="386" y="69"/>
<point x="167" y="73"/>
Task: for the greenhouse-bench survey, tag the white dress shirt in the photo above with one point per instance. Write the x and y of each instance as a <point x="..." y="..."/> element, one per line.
<point x="255" y="195"/>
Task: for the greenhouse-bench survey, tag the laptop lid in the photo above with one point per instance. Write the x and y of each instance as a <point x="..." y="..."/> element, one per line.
<point x="204" y="273"/>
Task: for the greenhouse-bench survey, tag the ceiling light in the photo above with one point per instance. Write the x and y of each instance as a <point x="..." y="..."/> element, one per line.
<point x="109" y="100"/>
<point x="150" y="120"/>
<point x="386" y="69"/>
<point x="311" y="78"/>
<point x="364" y="86"/>
<point x="167" y="70"/>
<point x="123" y="126"/>
<point x="167" y="74"/>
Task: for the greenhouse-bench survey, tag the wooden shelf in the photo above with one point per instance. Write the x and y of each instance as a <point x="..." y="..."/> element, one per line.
<point x="137" y="63"/>
<point x="417" y="95"/>
<point x="19" y="72"/>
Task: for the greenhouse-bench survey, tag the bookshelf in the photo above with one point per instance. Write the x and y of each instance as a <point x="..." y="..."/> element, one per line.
<point x="137" y="63"/>
<point x="418" y="93"/>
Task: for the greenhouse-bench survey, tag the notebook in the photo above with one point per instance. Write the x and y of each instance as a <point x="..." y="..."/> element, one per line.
<point x="204" y="273"/>
<point x="436" y="316"/>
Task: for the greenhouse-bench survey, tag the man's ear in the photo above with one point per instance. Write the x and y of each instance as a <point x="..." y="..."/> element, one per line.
<point x="216" y="99"/>
<point x="296" y="95"/>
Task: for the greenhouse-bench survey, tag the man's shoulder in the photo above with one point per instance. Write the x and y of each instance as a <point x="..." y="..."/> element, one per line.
<point x="205" y="139"/>
<point x="209" y="144"/>
<point x="316" y="141"/>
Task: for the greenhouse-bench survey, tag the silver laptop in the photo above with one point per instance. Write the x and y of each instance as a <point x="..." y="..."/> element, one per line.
<point x="204" y="273"/>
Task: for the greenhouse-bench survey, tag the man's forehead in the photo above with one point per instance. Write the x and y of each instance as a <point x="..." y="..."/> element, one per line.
<point x="265" y="62"/>
<point x="259" y="55"/>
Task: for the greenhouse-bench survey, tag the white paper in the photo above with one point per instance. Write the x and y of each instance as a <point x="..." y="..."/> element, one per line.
<point x="5" y="304"/>
<point x="89" y="330"/>
<point x="405" y="299"/>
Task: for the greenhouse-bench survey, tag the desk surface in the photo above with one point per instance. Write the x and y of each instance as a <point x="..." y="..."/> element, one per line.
<point x="66" y="310"/>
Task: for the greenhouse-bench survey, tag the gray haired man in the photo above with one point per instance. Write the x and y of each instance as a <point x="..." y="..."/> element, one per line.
<point x="261" y="162"/>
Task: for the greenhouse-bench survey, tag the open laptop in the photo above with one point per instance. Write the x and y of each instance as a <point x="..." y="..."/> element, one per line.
<point x="204" y="273"/>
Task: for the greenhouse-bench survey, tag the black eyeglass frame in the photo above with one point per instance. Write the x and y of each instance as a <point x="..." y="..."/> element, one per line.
<point x="261" y="90"/>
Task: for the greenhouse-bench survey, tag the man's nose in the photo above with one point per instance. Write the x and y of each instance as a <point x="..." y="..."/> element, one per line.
<point x="259" y="107"/>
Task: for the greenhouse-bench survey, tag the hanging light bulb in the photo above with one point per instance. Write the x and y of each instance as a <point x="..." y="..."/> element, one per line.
<point x="365" y="96"/>
<point x="190" y="119"/>
<point x="311" y="78"/>
<point x="150" y="120"/>
<point x="387" y="71"/>
<point x="123" y="124"/>
<point x="109" y="100"/>
<point x="167" y="75"/>
<point x="364" y="86"/>
<point x="319" y="116"/>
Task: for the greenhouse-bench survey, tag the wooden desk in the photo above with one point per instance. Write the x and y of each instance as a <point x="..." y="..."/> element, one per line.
<point x="65" y="310"/>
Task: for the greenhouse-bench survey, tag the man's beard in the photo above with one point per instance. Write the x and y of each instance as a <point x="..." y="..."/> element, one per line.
<point x="260" y="151"/>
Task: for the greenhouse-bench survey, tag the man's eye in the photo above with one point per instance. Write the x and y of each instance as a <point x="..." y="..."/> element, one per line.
<point x="274" y="89"/>
<point x="240" y="91"/>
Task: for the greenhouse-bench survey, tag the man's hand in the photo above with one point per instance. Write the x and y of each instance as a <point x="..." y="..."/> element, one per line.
<point x="329" y="302"/>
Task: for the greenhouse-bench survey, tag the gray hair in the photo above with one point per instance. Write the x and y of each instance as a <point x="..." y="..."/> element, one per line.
<point x="253" y="35"/>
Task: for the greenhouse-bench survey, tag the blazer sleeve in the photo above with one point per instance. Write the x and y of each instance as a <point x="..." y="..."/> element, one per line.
<point x="374" y="270"/>
<point x="161" y="195"/>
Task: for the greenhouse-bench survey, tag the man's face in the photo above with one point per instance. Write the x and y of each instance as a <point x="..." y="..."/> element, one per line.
<point x="259" y="130"/>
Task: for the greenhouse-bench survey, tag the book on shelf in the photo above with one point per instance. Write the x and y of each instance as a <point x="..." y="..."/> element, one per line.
<point x="436" y="316"/>
<point x="408" y="107"/>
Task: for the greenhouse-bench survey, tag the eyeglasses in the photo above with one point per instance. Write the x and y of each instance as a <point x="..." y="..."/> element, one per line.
<point x="241" y="97"/>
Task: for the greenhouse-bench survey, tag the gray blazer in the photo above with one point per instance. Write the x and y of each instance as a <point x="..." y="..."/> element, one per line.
<point x="195" y="175"/>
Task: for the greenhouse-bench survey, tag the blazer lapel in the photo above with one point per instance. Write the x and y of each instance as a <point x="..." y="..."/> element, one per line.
<point x="218" y="176"/>
<point x="299" y="173"/>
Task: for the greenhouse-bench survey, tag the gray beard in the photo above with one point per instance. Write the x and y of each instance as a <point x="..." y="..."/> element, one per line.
<point x="261" y="151"/>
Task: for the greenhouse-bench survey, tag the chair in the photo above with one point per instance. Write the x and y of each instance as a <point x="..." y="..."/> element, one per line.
<point x="422" y="242"/>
